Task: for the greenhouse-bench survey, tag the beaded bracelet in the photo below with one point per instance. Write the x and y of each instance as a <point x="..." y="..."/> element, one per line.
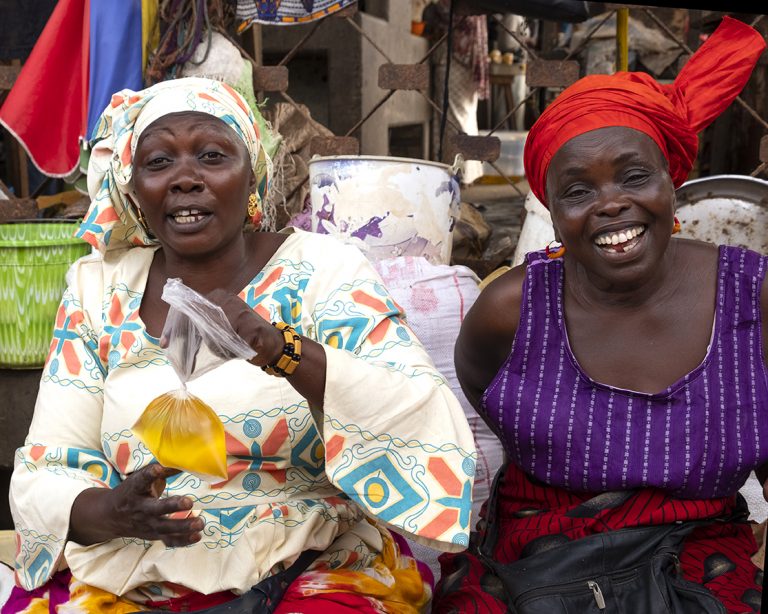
<point x="291" y="355"/>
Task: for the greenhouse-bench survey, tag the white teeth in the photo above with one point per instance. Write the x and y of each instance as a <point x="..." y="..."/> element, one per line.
<point x="187" y="216"/>
<point x="614" y="238"/>
<point x="187" y="212"/>
<point x="187" y="219"/>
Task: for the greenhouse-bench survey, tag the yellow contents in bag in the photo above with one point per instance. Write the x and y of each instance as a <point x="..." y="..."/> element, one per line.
<point x="183" y="432"/>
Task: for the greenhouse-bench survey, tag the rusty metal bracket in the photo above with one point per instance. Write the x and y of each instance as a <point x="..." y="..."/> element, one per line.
<point x="270" y="78"/>
<point x="349" y="11"/>
<point x="8" y="76"/>
<point x="404" y="77"/>
<point x="483" y="148"/>
<point x="334" y="146"/>
<point x="551" y="73"/>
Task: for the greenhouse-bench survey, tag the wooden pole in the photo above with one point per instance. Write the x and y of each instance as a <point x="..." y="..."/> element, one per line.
<point x="622" y="39"/>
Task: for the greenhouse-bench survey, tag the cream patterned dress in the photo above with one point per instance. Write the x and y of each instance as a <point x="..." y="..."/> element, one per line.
<point x="391" y="445"/>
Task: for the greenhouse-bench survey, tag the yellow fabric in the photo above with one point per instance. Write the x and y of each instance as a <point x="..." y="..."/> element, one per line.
<point x="391" y="582"/>
<point x="150" y="30"/>
<point x="85" y="599"/>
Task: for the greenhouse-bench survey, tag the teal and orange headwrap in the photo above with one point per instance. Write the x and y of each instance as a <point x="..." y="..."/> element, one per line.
<point x="112" y="220"/>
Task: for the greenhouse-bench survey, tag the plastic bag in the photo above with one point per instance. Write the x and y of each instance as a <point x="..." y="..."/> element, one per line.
<point x="181" y="430"/>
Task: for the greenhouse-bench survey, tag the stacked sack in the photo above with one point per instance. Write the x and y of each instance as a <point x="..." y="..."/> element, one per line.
<point x="435" y="299"/>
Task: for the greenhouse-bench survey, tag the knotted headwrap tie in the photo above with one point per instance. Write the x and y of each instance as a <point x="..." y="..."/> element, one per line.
<point x="672" y="115"/>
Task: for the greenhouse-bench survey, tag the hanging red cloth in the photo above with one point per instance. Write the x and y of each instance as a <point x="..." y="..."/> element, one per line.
<point x="46" y="108"/>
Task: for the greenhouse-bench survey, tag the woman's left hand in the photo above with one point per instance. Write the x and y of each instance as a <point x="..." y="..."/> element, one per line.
<point x="264" y="338"/>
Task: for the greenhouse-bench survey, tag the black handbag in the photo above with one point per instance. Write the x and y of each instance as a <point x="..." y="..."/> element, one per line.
<point x="632" y="571"/>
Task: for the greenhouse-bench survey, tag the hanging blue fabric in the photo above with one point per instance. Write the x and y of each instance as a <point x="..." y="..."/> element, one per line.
<point x="115" y="52"/>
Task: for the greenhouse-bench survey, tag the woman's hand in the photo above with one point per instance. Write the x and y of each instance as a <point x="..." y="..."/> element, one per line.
<point x="134" y="509"/>
<point x="264" y="338"/>
<point x="268" y="342"/>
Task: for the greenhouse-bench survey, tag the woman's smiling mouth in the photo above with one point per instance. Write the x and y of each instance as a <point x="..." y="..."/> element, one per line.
<point x="188" y="216"/>
<point x="620" y="242"/>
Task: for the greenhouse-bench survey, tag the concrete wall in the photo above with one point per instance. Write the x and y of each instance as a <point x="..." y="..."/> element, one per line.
<point x="395" y="38"/>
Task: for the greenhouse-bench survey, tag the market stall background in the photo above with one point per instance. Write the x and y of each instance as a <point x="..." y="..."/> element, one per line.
<point x="353" y="78"/>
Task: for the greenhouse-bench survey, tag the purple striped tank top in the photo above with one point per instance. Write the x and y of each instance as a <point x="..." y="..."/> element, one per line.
<point x="697" y="439"/>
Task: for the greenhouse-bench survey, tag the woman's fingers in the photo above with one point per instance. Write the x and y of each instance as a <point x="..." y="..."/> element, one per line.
<point x="165" y="506"/>
<point x="149" y="480"/>
<point x="147" y="515"/>
<point x="168" y="527"/>
<point x="169" y="520"/>
<point x="173" y="532"/>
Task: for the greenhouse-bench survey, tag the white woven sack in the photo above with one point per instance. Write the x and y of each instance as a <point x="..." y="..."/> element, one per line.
<point x="435" y="299"/>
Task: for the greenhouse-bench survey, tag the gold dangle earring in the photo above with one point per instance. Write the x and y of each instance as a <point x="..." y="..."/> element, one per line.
<point x="254" y="210"/>
<point x="676" y="226"/>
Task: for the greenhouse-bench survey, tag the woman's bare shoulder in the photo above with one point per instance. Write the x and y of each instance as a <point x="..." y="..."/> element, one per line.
<point x="498" y="306"/>
<point x="487" y="333"/>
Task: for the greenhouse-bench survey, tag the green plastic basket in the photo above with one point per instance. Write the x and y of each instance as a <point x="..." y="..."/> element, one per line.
<point x="34" y="258"/>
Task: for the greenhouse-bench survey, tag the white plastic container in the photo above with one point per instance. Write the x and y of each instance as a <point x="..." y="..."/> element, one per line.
<point x="511" y="156"/>
<point x="386" y="206"/>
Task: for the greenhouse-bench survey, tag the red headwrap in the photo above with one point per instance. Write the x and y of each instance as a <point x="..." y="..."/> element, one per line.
<point x="671" y="115"/>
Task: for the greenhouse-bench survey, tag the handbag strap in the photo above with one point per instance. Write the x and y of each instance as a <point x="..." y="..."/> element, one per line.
<point x="491" y="535"/>
<point x="265" y="596"/>
<point x="273" y="588"/>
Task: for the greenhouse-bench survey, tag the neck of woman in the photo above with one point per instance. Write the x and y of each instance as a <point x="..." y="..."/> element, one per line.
<point x="634" y="292"/>
<point x="227" y="268"/>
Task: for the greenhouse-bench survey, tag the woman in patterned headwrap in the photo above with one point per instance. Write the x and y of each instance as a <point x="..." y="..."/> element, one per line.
<point x="624" y="371"/>
<point x="175" y="171"/>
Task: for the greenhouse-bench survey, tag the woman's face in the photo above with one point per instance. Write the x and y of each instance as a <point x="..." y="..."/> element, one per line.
<point x="612" y="202"/>
<point x="192" y="178"/>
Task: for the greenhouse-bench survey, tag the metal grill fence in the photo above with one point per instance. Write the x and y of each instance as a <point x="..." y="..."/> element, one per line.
<point x="541" y="74"/>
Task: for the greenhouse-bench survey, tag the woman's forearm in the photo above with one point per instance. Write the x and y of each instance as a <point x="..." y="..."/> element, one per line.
<point x="89" y="519"/>
<point x="309" y="377"/>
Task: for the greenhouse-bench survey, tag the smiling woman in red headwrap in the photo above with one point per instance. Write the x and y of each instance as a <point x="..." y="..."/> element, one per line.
<point x="625" y="373"/>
